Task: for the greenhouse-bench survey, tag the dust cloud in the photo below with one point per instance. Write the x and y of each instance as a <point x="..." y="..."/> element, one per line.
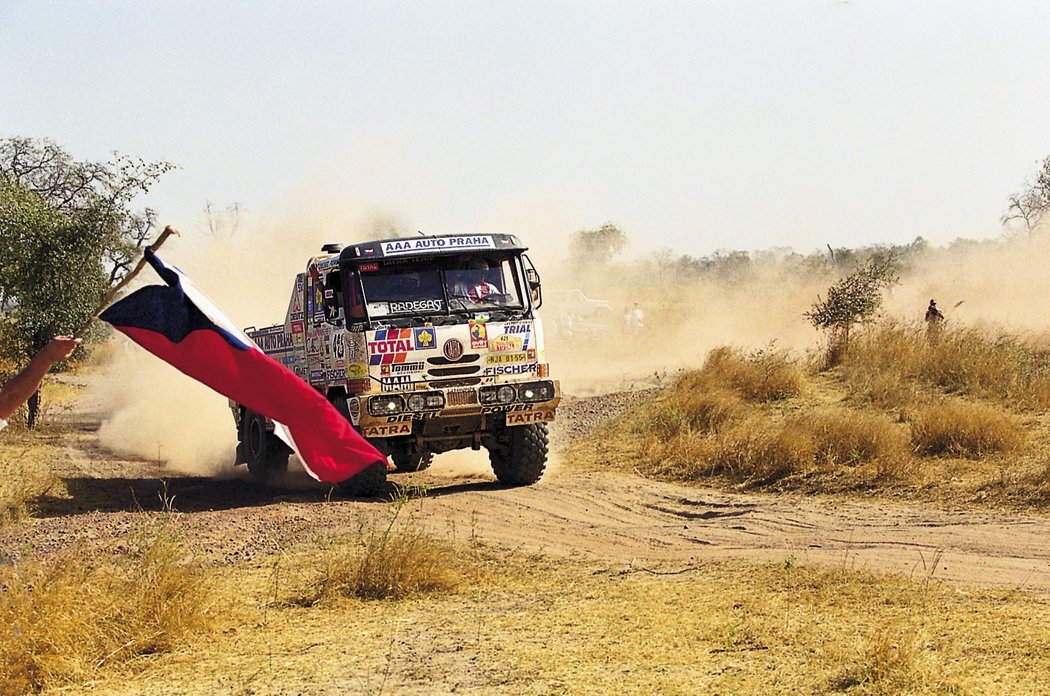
<point x="247" y="267"/>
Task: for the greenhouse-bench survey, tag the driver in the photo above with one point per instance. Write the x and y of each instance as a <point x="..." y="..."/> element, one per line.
<point x="473" y="282"/>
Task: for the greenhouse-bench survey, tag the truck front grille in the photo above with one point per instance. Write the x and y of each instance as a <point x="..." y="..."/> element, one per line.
<point x="466" y="397"/>
<point x="453" y="371"/>
<point x="466" y="358"/>
<point x="447" y="383"/>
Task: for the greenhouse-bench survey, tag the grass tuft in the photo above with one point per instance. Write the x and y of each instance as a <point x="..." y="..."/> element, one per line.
<point x="890" y="663"/>
<point x="392" y="559"/>
<point x="63" y="619"/>
<point x="962" y="429"/>
<point x="760" y="376"/>
<point x="887" y="361"/>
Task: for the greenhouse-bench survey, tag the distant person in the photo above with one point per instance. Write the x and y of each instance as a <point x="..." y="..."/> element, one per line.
<point x="635" y="320"/>
<point x="934" y="320"/>
<point x="25" y="383"/>
<point x="933" y="314"/>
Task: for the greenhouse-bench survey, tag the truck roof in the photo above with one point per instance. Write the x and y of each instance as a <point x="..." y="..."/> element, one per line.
<point x="445" y="244"/>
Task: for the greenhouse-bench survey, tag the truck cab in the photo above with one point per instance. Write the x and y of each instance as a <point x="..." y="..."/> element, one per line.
<point x="425" y="344"/>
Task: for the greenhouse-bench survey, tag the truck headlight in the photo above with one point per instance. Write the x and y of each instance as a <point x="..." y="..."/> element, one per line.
<point x="424" y="401"/>
<point x="506" y="394"/>
<point x="386" y="405"/>
<point x="536" y="391"/>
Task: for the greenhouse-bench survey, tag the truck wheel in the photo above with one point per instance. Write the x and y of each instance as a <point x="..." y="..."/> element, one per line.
<point x="264" y="452"/>
<point x="417" y="461"/>
<point x="522" y="460"/>
<point x="368" y="483"/>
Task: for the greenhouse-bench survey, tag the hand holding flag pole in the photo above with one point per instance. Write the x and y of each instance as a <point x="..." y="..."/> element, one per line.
<point x="168" y="231"/>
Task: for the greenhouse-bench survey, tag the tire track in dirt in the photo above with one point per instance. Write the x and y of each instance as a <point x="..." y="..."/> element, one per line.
<point x="604" y="516"/>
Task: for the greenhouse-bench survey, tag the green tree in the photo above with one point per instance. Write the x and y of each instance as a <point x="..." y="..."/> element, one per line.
<point x="853" y="299"/>
<point x="597" y="247"/>
<point x="67" y="232"/>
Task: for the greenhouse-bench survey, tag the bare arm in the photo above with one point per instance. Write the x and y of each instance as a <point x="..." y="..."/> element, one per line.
<point x="20" y="387"/>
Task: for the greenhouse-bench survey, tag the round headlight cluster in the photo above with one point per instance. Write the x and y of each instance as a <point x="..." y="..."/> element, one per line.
<point x="386" y="405"/>
<point x="422" y="401"/>
<point x="508" y="393"/>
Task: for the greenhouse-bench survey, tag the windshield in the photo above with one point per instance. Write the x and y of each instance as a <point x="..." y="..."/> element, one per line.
<point x="444" y="285"/>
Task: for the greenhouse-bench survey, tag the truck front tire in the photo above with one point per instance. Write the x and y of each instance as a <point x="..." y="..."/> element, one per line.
<point x="522" y="456"/>
<point x="369" y="483"/>
<point x="412" y="462"/>
<point x="264" y="452"/>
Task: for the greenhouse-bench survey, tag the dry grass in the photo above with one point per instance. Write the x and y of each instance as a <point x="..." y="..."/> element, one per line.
<point x="390" y="559"/>
<point x="24" y="477"/>
<point x="881" y="422"/>
<point x="67" y="619"/>
<point x="887" y="361"/>
<point x="760" y="376"/>
<point x="960" y="428"/>
<point x="811" y="443"/>
<point x="541" y="625"/>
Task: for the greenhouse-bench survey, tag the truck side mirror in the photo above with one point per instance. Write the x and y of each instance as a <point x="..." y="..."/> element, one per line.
<point x="533" y="279"/>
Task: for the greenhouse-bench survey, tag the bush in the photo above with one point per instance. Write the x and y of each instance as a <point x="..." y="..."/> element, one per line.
<point x="761" y="376"/>
<point x="962" y="429"/>
<point x="64" y="619"/>
<point x="826" y="442"/>
<point x="969" y="361"/>
<point x="389" y="561"/>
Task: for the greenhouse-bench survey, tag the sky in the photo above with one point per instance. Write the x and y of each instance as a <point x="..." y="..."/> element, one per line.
<point x="693" y="126"/>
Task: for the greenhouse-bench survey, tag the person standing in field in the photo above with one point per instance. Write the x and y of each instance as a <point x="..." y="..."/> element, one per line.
<point x="25" y="383"/>
<point x="934" y="320"/>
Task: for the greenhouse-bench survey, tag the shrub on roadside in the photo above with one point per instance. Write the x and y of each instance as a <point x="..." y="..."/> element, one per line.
<point x="827" y="442"/>
<point x="971" y="361"/>
<point x="390" y="560"/>
<point x="962" y="429"/>
<point x="63" y="619"/>
<point x="764" y="375"/>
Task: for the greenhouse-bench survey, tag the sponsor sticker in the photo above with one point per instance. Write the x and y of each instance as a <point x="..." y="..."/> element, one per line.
<point x="425" y="338"/>
<point x="354" y="407"/>
<point x="400" y="368"/>
<point x="478" y="335"/>
<point x="356" y="370"/>
<point x="505" y="343"/>
<point x="391" y="341"/>
<point x="425" y="244"/>
<point x="354" y="344"/>
<point x="415" y="306"/>
<point x="494" y="370"/>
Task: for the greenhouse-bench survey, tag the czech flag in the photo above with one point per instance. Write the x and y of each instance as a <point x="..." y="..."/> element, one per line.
<point x="179" y="325"/>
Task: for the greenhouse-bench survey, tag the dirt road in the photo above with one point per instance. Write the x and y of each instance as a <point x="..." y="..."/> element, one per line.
<point x="609" y="517"/>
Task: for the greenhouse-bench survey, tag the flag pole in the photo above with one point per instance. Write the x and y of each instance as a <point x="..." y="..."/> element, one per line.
<point x="168" y="231"/>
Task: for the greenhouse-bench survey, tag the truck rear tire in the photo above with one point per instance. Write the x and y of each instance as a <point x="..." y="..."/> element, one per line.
<point x="264" y="452"/>
<point x="367" y="484"/>
<point x="412" y="462"/>
<point x="521" y="461"/>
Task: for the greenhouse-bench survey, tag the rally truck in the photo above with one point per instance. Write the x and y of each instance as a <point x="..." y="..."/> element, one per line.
<point x="425" y="344"/>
